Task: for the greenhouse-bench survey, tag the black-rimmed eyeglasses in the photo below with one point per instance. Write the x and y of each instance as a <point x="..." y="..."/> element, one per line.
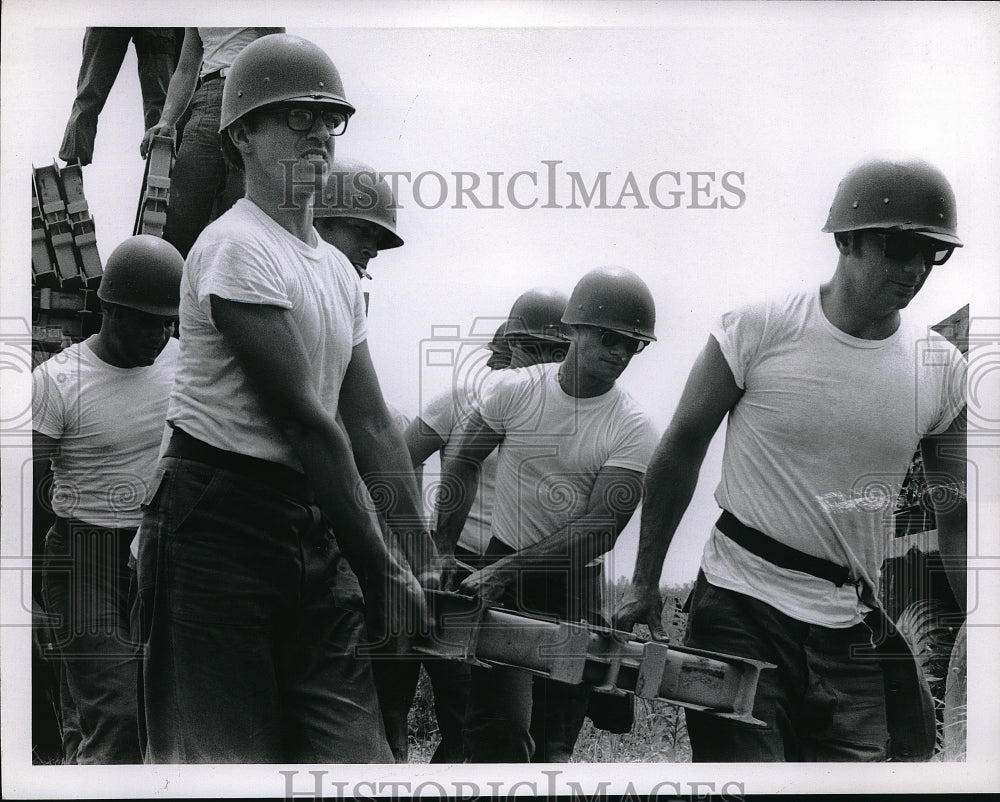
<point x="303" y="118"/>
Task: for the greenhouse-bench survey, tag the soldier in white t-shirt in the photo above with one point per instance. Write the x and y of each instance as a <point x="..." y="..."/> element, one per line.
<point x="828" y="393"/>
<point x="356" y="214"/>
<point x="99" y="413"/>
<point x="533" y="333"/>
<point x="262" y="555"/>
<point x="572" y="450"/>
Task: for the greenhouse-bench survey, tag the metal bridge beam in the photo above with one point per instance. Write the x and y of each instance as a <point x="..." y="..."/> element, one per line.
<point x="609" y="660"/>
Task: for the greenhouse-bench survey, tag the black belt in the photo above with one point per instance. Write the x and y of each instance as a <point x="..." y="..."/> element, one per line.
<point x="66" y="526"/>
<point x="781" y="555"/>
<point x="212" y="76"/>
<point x="279" y="477"/>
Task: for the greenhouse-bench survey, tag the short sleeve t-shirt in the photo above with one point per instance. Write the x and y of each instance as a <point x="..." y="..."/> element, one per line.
<point x="819" y="444"/>
<point x="245" y="256"/>
<point x="554" y="446"/>
<point x="109" y="422"/>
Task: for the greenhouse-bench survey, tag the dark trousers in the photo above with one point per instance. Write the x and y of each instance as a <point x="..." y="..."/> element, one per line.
<point x="103" y="54"/>
<point x="202" y="185"/>
<point x="824" y="702"/>
<point x="512" y="715"/>
<point x="252" y="623"/>
<point x="396" y="679"/>
<point x="86" y="590"/>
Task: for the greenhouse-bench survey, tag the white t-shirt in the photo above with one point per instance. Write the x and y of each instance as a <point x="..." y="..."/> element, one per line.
<point x="219" y="46"/>
<point x="109" y="422"/>
<point x="245" y="256"/>
<point x="444" y="414"/>
<point x="819" y="444"/>
<point x="553" y="448"/>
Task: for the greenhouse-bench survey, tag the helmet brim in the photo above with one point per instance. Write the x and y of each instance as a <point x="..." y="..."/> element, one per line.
<point x="646" y="338"/>
<point x="160" y="310"/>
<point x="571" y="320"/>
<point x="388" y="239"/>
<point x="937" y="236"/>
<point x="331" y="100"/>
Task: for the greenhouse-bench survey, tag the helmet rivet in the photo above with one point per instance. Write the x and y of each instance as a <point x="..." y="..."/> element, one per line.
<point x="855" y="205"/>
<point x="240" y="93"/>
<point x="940" y="216"/>
<point x="885" y="200"/>
<point x="321" y="84"/>
<point x="267" y="81"/>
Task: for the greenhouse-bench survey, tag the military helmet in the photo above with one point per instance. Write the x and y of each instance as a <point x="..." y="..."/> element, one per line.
<point x="498" y="344"/>
<point x="538" y="313"/>
<point x="613" y="298"/>
<point x="353" y="189"/>
<point x="280" y="68"/>
<point x="897" y="194"/>
<point x="144" y="273"/>
<point x="499" y="349"/>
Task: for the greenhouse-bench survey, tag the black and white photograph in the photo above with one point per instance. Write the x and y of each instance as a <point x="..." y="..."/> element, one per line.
<point x="491" y="399"/>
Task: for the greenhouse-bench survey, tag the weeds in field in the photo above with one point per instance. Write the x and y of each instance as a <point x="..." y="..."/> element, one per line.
<point x="658" y="736"/>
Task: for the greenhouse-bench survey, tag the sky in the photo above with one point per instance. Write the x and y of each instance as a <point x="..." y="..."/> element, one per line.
<point x="749" y="113"/>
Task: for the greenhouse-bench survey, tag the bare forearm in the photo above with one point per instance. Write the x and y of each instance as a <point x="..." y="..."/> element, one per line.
<point x="613" y="500"/>
<point x="325" y="453"/>
<point x="178" y="97"/>
<point x="576" y="544"/>
<point x="455" y="495"/>
<point x="184" y="79"/>
<point x="383" y="462"/>
<point x="421" y="441"/>
<point x="669" y="485"/>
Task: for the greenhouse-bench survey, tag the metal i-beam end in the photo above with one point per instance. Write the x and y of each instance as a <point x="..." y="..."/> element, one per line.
<point x="746" y="718"/>
<point x="457" y="620"/>
<point x="732" y="680"/>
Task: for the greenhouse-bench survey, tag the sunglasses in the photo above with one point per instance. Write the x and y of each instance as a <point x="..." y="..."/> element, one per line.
<point x="302" y="118"/>
<point x="612" y="339"/>
<point x="903" y="247"/>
